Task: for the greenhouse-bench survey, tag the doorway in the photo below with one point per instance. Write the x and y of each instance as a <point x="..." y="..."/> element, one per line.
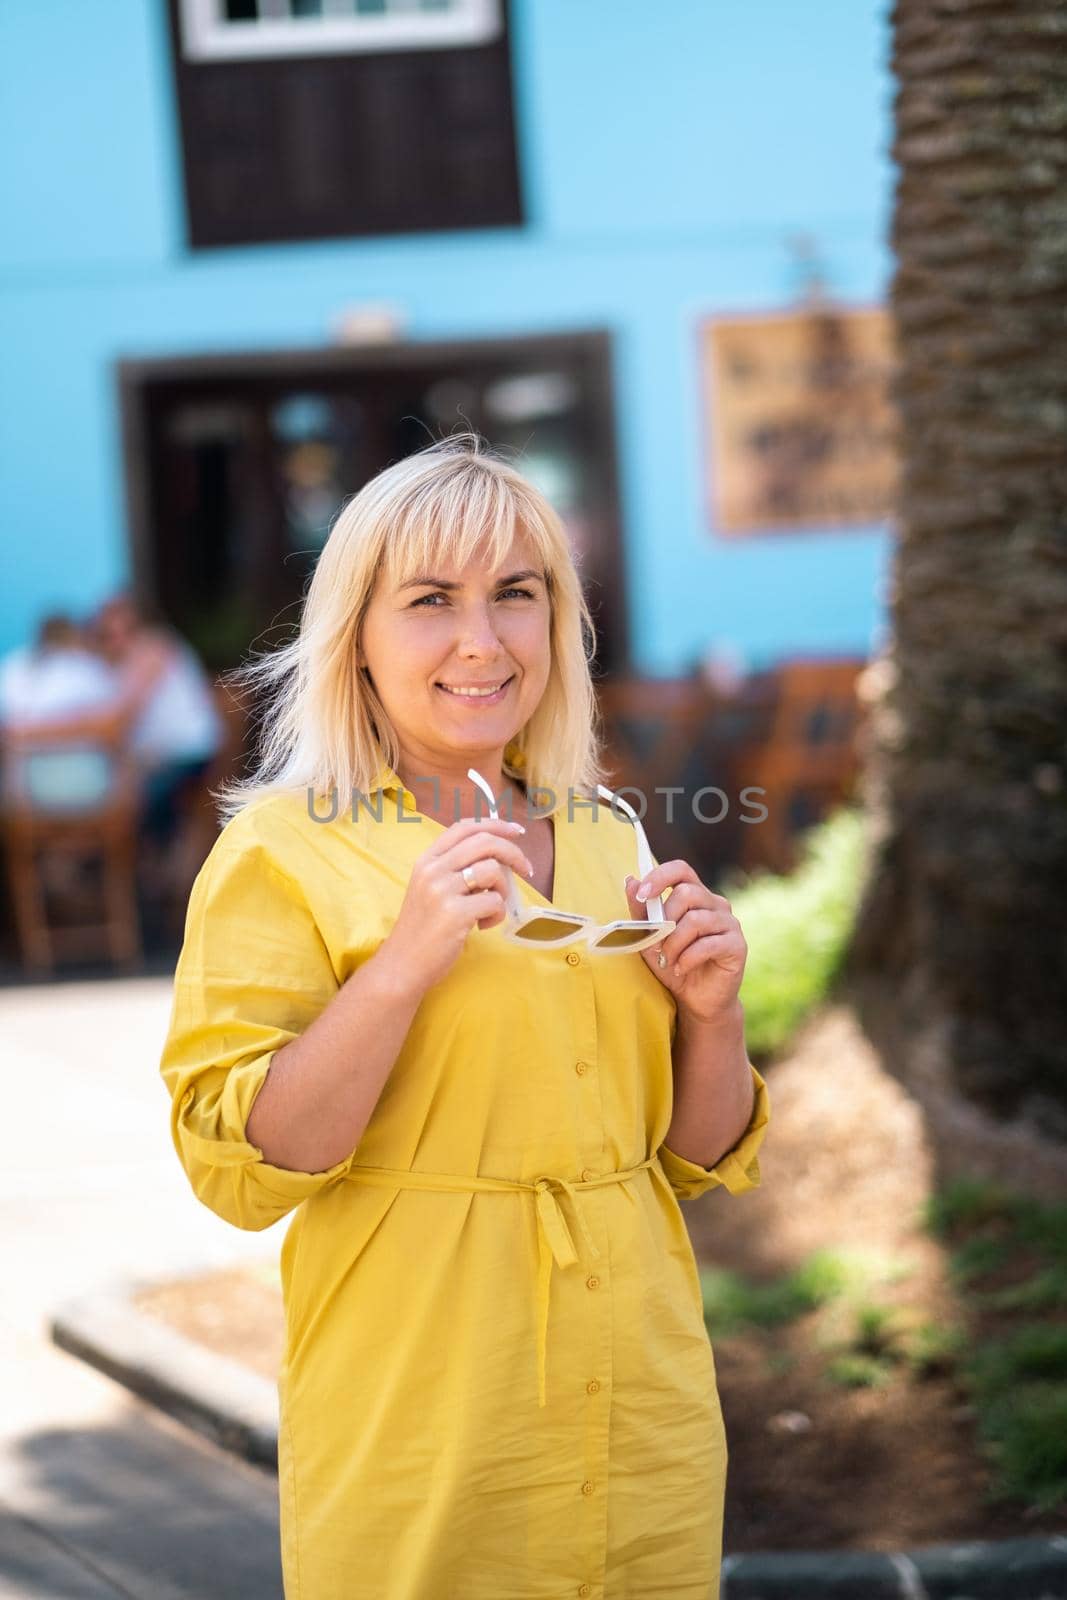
<point x="237" y="465"/>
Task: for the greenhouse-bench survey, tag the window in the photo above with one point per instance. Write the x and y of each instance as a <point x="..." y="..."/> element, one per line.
<point x="322" y="119"/>
<point x="241" y="30"/>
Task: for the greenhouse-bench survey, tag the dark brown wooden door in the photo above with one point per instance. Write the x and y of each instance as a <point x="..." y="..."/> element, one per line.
<point x="238" y="464"/>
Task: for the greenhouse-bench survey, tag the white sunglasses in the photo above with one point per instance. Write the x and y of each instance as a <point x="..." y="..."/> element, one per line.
<point x="547" y="926"/>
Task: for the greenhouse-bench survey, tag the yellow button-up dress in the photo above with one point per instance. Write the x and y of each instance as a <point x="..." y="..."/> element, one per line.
<point x="497" y="1381"/>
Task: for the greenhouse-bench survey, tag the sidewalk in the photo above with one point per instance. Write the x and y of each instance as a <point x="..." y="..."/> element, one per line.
<point x="101" y="1495"/>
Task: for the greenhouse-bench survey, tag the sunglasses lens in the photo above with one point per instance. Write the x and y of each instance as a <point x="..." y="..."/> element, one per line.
<point x="544" y="929"/>
<point x="624" y="938"/>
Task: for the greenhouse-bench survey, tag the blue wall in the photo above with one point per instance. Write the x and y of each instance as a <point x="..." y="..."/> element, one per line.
<point x="668" y="153"/>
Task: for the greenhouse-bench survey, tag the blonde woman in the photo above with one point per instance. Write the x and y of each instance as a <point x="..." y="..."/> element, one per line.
<point x="395" y="1015"/>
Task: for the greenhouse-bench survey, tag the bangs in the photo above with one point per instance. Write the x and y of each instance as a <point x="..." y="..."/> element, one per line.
<point x="468" y="515"/>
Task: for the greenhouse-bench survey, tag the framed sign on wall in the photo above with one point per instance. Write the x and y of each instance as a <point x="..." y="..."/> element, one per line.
<point x="799" y="423"/>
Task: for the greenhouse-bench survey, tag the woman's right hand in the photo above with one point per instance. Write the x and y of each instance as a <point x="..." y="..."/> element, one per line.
<point x="439" y="910"/>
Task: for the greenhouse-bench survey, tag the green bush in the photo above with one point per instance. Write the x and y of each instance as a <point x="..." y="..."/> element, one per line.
<point x="1025" y="1432"/>
<point x="797" y="927"/>
<point x="877" y="1330"/>
<point x="975" y="1257"/>
<point x="1046" y="1290"/>
<point x="967" y="1202"/>
<point x="935" y="1349"/>
<point x="1034" y="1351"/>
<point x="731" y="1300"/>
<point x="857" y="1371"/>
<point x="1017" y="1380"/>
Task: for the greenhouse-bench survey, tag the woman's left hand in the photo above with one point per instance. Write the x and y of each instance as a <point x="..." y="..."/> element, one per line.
<point x="705" y="953"/>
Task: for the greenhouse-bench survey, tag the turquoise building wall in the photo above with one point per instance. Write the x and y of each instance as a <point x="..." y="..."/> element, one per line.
<point x="667" y="155"/>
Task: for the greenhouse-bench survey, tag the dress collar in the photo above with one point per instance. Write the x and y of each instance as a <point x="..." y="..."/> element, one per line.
<point x="386" y="779"/>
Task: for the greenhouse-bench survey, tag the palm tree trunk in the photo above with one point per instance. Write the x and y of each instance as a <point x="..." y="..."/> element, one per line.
<point x="966" y="909"/>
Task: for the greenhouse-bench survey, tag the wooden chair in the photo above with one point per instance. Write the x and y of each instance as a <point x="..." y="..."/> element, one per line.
<point x="649" y="723"/>
<point x="680" y="734"/>
<point x="69" y="800"/>
<point x="807" y="761"/>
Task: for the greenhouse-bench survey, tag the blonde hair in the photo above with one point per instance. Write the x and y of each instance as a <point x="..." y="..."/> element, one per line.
<point x="323" y="727"/>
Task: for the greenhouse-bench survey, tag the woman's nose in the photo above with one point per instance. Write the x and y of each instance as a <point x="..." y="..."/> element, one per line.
<point x="478" y="634"/>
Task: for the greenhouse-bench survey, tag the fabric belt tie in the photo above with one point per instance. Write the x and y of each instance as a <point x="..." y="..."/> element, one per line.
<point x="554" y="1240"/>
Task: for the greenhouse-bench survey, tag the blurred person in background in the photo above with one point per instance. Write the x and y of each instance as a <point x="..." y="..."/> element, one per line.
<point x="125" y="682"/>
<point x="173" y="729"/>
<point x="57" y="677"/>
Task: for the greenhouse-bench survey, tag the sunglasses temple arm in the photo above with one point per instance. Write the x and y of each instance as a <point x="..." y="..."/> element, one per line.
<point x="511" y="899"/>
<point x="645" y="863"/>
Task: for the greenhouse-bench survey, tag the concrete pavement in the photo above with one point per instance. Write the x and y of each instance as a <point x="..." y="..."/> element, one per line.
<point x="101" y="1495"/>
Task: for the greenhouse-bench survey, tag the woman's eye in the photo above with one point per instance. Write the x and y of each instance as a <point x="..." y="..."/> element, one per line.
<point x="525" y="594"/>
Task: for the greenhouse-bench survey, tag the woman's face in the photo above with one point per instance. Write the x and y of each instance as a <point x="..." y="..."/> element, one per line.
<point x="455" y="629"/>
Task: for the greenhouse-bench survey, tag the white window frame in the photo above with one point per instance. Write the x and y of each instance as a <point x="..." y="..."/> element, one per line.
<point x="207" y="35"/>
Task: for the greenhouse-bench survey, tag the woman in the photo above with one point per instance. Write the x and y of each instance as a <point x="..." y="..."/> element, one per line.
<point x="172" y="726"/>
<point x="497" y="1382"/>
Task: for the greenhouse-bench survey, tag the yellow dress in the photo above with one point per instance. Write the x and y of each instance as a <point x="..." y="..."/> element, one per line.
<point x="497" y="1382"/>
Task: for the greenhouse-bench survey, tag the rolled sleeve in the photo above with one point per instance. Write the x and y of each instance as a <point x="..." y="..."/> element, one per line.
<point x="252" y="975"/>
<point x="738" y="1169"/>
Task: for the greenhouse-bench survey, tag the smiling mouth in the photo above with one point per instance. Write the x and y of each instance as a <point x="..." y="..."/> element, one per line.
<point x="482" y="694"/>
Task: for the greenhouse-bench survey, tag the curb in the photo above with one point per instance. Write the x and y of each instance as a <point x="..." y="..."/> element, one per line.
<point x="209" y="1393"/>
<point x="1007" y="1569"/>
<point x="238" y="1410"/>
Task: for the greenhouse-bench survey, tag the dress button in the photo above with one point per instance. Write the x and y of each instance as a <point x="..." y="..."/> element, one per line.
<point x="592" y="1387"/>
<point x="573" y="958"/>
<point x="587" y="1173"/>
<point x="584" y="1589"/>
<point x="587" y="1487"/>
<point x="592" y="1282"/>
<point x="580" y="1067"/>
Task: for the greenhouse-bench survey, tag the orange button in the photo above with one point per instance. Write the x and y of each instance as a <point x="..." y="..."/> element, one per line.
<point x="592" y="1387"/>
<point x="587" y="1173"/>
<point x="592" y="1282"/>
<point x="580" y="1067"/>
<point x="587" y="1487"/>
<point x="573" y="958"/>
